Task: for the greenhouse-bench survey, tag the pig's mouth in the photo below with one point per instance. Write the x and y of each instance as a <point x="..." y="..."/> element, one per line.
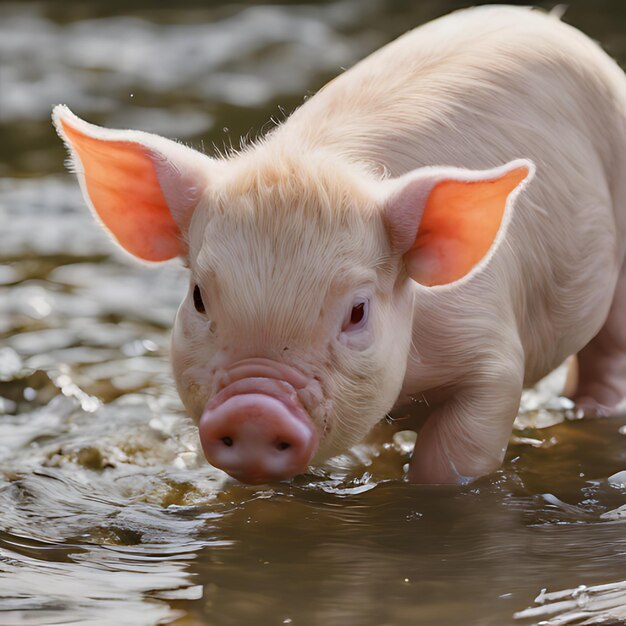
<point x="256" y="430"/>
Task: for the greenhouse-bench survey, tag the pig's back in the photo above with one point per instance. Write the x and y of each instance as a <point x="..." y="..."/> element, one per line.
<point x="468" y="89"/>
<point x="479" y="88"/>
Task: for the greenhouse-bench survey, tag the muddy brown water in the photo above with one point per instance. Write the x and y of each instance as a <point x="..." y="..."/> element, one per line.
<point x="107" y="513"/>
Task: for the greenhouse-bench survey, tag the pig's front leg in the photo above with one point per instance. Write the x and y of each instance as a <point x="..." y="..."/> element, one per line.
<point x="467" y="436"/>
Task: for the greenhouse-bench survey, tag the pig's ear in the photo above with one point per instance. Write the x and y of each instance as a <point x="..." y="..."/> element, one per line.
<point x="447" y="221"/>
<point x="142" y="187"/>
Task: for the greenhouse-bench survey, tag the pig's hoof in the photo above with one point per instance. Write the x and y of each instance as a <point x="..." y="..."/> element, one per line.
<point x="609" y="406"/>
<point x="601" y="389"/>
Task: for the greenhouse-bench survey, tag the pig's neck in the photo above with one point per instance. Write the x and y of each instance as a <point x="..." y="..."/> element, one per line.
<point x="376" y="148"/>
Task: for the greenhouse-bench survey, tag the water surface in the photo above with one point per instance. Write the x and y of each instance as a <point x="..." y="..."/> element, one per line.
<point x="108" y="515"/>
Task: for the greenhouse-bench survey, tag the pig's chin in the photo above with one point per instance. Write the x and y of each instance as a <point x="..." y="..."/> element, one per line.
<point x="256" y="430"/>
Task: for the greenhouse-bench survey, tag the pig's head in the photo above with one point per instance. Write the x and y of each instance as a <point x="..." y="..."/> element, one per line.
<point x="293" y="338"/>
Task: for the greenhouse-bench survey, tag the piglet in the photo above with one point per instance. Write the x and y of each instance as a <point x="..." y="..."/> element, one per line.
<point x="447" y="219"/>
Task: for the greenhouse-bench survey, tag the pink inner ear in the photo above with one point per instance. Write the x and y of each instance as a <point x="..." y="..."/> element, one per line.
<point x="123" y="187"/>
<point x="459" y="225"/>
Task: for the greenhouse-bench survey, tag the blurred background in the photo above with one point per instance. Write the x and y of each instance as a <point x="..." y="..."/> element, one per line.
<point x="107" y="514"/>
<point x="204" y="72"/>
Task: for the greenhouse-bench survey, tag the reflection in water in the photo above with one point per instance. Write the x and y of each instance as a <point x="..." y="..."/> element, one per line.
<point x="107" y="513"/>
<point x="107" y="581"/>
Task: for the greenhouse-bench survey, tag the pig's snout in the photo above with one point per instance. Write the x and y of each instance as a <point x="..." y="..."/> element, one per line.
<point x="257" y="431"/>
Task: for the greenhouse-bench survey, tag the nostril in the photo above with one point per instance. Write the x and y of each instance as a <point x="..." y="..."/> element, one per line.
<point x="257" y="437"/>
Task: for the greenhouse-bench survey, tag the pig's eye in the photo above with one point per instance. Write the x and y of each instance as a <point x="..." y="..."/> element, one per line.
<point x="197" y="300"/>
<point x="358" y="313"/>
<point x="358" y="316"/>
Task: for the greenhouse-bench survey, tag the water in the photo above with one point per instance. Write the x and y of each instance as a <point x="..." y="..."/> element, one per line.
<point x="108" y="515"/>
